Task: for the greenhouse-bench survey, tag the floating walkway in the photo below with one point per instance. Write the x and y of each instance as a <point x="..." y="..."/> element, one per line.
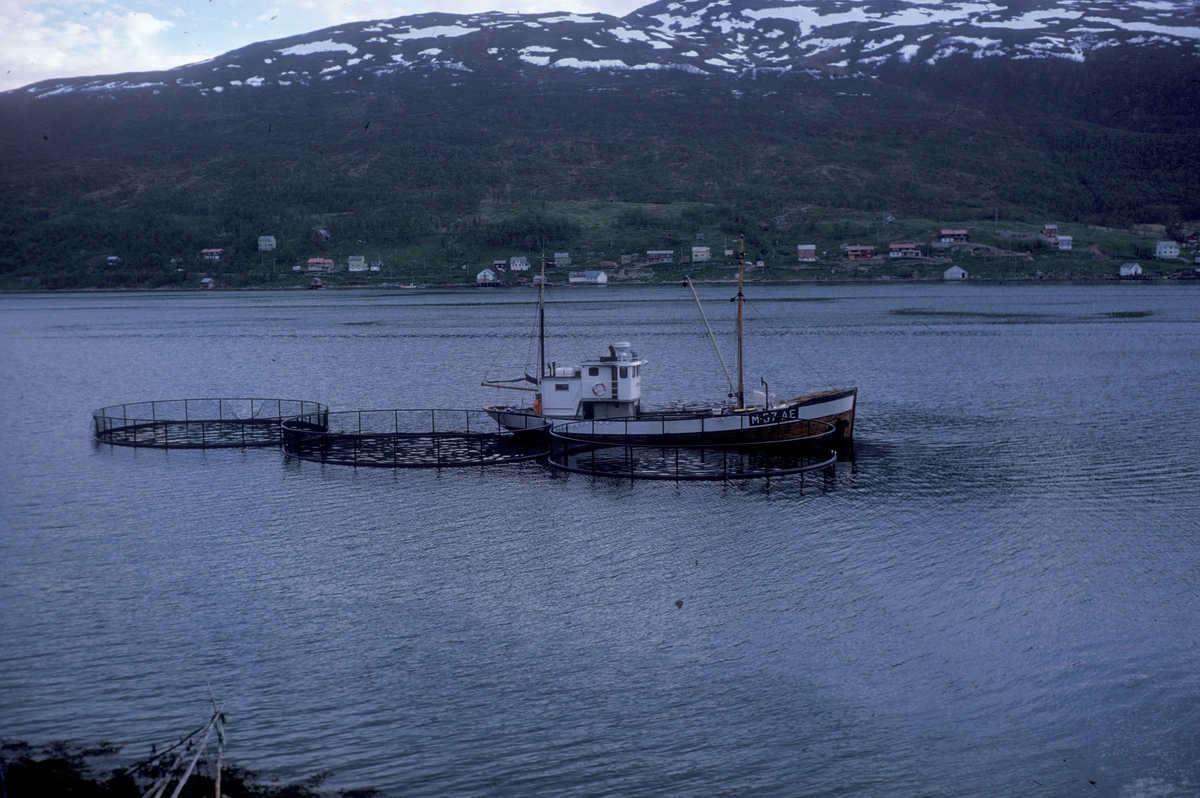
<point x="451" y="438"/>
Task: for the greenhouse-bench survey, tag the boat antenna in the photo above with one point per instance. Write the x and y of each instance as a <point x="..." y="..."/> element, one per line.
<point x="711" y="337"/>
<point x="741" y="389"/>
<point x="542" y="322"/>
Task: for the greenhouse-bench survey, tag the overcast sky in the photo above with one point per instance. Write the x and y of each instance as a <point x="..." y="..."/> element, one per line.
<point x="70" y="38"/>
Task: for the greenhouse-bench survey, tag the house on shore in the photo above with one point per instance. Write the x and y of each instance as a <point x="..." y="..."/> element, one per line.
<point x="1131" y="271"/>
<point x="588" y="278"/>
<point x="356" y="263"/>
<point x="903" y="249"/>
<point x="562" y="259"/>
<point x="487" y="279"/>
<point x="859" y="252"/>
<point x="660" y="256"/>
<point x="1166" y="249"/>
<point x="1064" y="242"/>
<point x="701" y="254"/>
<point x="951" y="236"/>
<point x="955" y="273"/>
<point x="518" y="263"/>
<point x="806" y="253"/>
<point x="320" y="264"/>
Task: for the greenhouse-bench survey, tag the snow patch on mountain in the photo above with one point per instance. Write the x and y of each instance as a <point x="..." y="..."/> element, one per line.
<point x="327" y="46"/>
<point x="433" y="32"/>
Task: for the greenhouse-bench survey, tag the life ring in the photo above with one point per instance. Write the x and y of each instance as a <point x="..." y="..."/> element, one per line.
<point x="599" y="389"/>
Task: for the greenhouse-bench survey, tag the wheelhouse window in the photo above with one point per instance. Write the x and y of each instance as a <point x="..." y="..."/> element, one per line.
<point x="593" y="371"/>
<point x="624" y="372"/>
<point x="561" y="386"/>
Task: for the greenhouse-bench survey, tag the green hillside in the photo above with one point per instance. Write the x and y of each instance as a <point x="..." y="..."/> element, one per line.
<point x="431" y="173"/>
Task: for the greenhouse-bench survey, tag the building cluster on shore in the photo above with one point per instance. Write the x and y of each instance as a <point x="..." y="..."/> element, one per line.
<point x="941" y="245"/>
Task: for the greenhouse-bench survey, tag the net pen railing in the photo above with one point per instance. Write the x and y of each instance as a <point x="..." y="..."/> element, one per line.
<point x="421" y="438"/>
<point x="220" y="423"/>
<point x="631" y="450"/>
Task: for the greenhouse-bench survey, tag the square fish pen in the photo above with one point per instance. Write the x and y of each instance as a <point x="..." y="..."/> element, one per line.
<point x="427" y="438"/>
<point x="580" y="448"/>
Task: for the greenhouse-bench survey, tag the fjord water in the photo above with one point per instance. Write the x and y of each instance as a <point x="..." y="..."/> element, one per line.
<point x="999" y="595"/>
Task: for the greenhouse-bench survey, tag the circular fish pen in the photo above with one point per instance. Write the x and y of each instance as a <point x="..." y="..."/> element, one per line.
<point x="199" y="423"/>
<point x="430" y="438"/>
<point x="693" y="458"/>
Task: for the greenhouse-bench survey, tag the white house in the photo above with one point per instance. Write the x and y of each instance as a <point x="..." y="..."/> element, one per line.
<point x="320" y="264"/>
<point x="356" y="263"/>
<point x="1166" y="249"/>
<point x="113" y="259"/>
<point x="806" y="253"/>
<point x="487" y="277"/>
<point x="903" y="249"/>
<point x="587" y="278"/>
<point x="518" y="263"/>
<point x="266" y="243"/>
<point x="660" y="256"/>
<point x="701" y="254"/>
<point x="215" y="254"/>
<point x="1131" y="270"/>
<point x="1064" y="242"/>
<point x="954" y="273"/>
<point x="562" y="258"/>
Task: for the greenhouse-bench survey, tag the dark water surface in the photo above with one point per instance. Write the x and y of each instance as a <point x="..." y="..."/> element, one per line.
<point x="1000" y="596"/>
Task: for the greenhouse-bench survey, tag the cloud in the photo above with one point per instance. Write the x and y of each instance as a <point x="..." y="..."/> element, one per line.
<point x="44" y="40"/>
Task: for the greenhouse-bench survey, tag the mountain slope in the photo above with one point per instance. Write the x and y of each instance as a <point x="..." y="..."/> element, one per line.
<point x="467" y="132"/>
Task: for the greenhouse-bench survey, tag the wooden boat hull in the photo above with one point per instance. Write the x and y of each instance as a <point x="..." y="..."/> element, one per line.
<point x="799" y="419"/>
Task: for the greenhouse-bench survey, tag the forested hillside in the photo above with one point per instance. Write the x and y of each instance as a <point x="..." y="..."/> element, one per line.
<point x="438" y="168"/>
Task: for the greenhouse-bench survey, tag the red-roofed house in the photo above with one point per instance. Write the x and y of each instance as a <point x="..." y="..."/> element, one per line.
<point x="903" y="249"/>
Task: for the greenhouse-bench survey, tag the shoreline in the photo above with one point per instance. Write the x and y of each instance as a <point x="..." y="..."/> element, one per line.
<point x="642" y="283"/>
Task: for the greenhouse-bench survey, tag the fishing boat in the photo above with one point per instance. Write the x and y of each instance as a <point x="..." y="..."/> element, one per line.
<point x="600" y="400"/>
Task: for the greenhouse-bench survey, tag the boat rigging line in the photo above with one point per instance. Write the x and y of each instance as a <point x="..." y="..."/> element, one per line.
<point x="728" y="379"/>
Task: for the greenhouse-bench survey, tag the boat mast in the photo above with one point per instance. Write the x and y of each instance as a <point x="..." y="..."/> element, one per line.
<point x="542" y="322"/>
<point x="741" y="391"/>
